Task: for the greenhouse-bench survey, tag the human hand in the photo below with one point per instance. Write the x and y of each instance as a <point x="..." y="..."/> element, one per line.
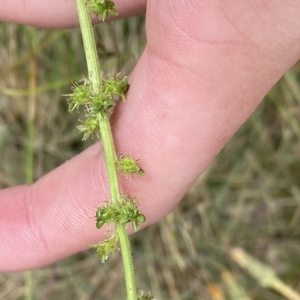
<point x="206" y="67"/>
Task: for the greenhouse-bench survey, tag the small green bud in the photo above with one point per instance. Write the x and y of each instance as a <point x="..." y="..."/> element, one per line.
<point x="141" y="218"/>
<point x="103" y="256"/>
<point x="108" y="214"/>
<point x="101" y="8"/>
<point x="99" y="224"/>
<point x="105" y="216"/>
<point x="106" y="247"/>
<point x="113" y="86"/>
<point x="98" y="213"/>
<point x="89" y="127"/>
<point x="80" y="96"/>
<point x="135" y="225"/>
<point x="128" y="165"/>
<point x="130" y="213"/>
<point x="101" y="103"/>
<point x="145" y="297"/>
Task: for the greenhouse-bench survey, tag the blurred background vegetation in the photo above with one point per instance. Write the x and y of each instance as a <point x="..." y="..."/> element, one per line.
<point x="248" y="198"/>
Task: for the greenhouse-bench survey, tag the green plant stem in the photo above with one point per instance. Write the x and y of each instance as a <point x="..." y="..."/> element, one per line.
<point x="110" y="158"/>
<point x="127" y="262"/>
<point x="28" y="285"/>
<point x="95" y="78"/>
<point x="91" y="56"/>
<point x="31" y="113"/>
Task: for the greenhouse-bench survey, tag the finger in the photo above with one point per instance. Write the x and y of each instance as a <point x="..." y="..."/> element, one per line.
<point x="186" y="100"/>
<point x="57" y="14"/>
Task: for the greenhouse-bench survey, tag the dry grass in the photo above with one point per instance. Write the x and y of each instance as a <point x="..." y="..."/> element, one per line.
<point x="249" y="197"/>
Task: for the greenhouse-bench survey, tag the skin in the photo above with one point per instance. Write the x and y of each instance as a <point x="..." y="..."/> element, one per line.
<point x="207" y="66"/>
